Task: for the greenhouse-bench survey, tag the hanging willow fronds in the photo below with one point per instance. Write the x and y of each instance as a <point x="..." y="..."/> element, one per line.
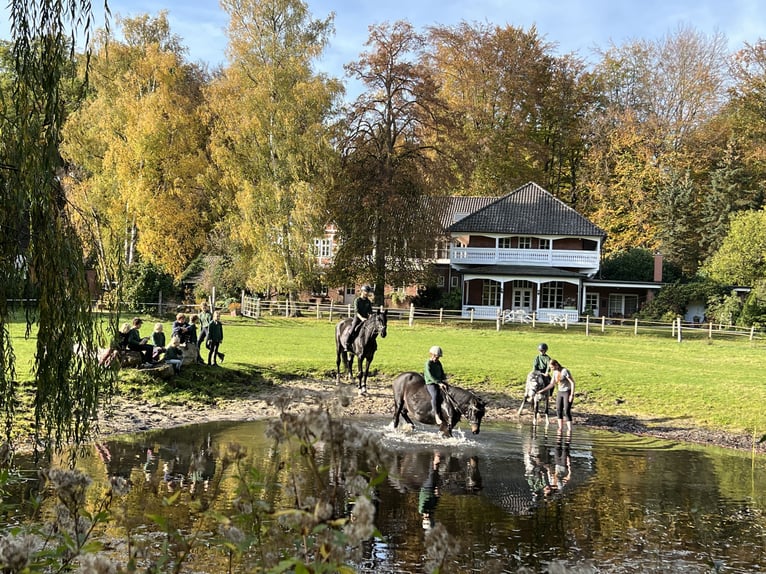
<point x="41" y="258"/>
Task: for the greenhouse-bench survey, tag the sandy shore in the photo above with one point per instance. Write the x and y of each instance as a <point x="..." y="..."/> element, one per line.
<point x="134" y="415"/>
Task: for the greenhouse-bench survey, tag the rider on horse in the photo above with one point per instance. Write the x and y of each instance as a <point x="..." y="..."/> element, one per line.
<point x="435" y="380"/>
<point x="541" y="362"/>
<point x="362" y="312"/>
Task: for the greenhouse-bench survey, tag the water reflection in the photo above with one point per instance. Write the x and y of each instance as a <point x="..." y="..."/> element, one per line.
<point x="517" y="496"/>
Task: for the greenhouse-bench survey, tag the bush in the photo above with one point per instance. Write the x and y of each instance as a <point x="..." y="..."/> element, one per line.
<point x="143" y="284"/>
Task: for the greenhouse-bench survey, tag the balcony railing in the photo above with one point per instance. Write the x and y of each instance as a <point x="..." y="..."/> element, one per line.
<point x="533" y="257"/>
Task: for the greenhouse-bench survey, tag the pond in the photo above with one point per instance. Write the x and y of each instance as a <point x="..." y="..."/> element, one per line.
<point x="509" y="498"/>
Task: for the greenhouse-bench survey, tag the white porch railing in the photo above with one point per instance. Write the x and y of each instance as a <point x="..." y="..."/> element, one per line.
<point x="555" y="316"/>
<point x="535" y="257"/>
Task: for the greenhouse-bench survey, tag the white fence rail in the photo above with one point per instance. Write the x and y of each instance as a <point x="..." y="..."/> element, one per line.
<point x="508" y="319"/>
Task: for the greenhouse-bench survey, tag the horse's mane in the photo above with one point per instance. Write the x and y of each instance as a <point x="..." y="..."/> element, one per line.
<point x="462" y="394"/>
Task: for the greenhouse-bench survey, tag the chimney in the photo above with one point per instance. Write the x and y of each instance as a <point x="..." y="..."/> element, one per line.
<point x="657" y="267"/>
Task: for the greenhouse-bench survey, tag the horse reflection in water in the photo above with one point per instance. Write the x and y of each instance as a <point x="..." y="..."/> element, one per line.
<point x="412" y="401"/>
<point x="542" y="473"/>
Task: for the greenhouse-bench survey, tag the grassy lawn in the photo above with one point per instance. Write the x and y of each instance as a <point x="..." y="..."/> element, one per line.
<point x="707" y="382"/>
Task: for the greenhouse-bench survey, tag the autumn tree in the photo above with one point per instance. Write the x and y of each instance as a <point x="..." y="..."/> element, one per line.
<point x="516" y="108"/>
<point x="379" y="206"/>
<point x="270" y="141"/>
<point x="136" y="149"/>
<point x="40" y="253"/>
<point x="654" y="98"/>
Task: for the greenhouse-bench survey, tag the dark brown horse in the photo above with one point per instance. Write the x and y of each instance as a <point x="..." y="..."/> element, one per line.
<point x="363" y="347"/>
<point x="536" y="381"/>
<point x="413" y="401"/>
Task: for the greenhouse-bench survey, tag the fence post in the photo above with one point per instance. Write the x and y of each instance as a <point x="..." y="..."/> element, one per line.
<point x="242" y="302"/>
<point x="258" y="308"/>
<point x="534" y="318"/>
<point x="319" y="315"/>
<point x="752" y="331"/>
<point x="587" y="325"/>
<point x="412" y="314"/>
<point x="349" y="310"/>
<point x="159" y="305"/>
<point x="710" y="330"/>
<point x="635" y="327"/>
<point x="499" y="318"/>
<point x="472" y="311"/>
<point x="603" y="323"/>
<point x="566" y="321"/>
<point x="441" y="315"/>
<point x="679" y="329"/>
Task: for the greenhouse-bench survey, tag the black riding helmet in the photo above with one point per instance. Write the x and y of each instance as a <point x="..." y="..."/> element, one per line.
<point x="542" y="347"/>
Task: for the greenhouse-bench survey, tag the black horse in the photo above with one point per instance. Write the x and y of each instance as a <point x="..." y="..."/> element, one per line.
<point x="363" y="347"/>
<point x="536" y="381"/>
<point x="413" y="401"/>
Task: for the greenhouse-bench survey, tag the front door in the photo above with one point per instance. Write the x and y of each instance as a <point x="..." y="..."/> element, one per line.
<point x="522" y="298"/>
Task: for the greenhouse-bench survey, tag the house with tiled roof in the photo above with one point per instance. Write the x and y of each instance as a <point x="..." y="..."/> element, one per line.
<point x="528" y="252"/>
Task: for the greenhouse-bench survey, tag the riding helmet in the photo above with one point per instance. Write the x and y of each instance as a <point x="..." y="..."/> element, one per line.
<point x="542" y="347"/>
<point x="366" y="289"/>
<point x="436" y="350"/>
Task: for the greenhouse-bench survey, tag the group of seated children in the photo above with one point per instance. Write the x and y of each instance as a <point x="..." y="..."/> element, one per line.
<point x="184" y="332"/>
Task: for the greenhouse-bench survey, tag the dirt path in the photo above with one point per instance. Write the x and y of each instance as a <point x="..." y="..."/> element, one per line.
<point x="135" y="415"/>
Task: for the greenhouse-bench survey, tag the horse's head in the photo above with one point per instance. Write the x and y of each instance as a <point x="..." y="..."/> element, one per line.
<point x="475" y="412"/>
<point x="381" y="322"/>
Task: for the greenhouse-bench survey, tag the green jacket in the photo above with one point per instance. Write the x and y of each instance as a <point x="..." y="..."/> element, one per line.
<point x="158" y="339"/>
<point x="541" y="363"/>
<point x="173" y="352"/>
<point x="215" y="332"/>
<point x="205" y="318"/>
<point x="434" y="372"/>
<point x="134" y="338"/>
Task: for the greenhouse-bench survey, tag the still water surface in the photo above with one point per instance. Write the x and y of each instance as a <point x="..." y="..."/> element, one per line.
<point x="510" y="497"/>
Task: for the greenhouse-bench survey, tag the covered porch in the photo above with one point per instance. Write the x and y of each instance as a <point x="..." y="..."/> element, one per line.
<point x="515" y="293"/>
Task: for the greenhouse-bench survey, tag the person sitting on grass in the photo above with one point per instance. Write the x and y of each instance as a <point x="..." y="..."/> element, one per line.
<point x="174" y="354"/>
<point x="136" y="343"/>
<point x="158" y="341"/>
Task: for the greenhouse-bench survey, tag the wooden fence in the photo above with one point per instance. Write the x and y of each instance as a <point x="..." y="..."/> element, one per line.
<point x="591" y="326"/>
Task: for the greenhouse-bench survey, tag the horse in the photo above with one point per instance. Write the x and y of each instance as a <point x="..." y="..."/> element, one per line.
<point x="536" y="381"/>
<point x="413" y="401"/>
<point x="363" y="347"/>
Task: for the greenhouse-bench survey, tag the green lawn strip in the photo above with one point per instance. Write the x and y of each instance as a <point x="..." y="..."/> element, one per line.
<point x="653" y="377"/>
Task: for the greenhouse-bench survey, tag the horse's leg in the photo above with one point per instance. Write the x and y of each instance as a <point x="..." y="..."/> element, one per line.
<point x="547" y="407"/>
<point x="523" y="402"/>
<point x="364" y="370"/>
<point x="348" y="360"/>
<point x="337" y="363"/>
<point x="536" y="404"/>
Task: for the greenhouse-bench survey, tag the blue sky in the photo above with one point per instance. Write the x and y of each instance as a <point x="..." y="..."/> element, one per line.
<point x="573" y="25"/>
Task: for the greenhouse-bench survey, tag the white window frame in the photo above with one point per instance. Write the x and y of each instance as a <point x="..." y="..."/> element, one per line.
<point x="544" y="243"/>
<point x="490" y="293"/>
<point x="618" y="306"/>
<point x="552" y="295"/>
<point x="525" y="243"/>
<point x="323" y="247"/>
<point x="504" y="242"/>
